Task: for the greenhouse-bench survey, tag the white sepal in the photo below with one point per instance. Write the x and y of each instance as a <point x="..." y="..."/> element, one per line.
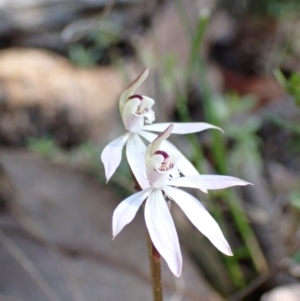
<point x="112" y="154"/>
<point x="200" y="218"/>
<point x="135" y="152"/>
<point x="131" y="89"/>
<point x="127" y="209"/>
<point x="162" y="231"/>
<point x="208" y="182"/>
<point x="181" y="128"/>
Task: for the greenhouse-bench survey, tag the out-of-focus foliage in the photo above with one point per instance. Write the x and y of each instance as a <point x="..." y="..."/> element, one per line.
<point x="291" y="84"/>
<point x="92" y="50"/>
<point x="102" y="46"/>
<point x="296" y="257"/>
<point x="275" y="8"/>
<point x="234" y="115"/>
<point x="295" y="200"/>
<point x="43" y="146"/>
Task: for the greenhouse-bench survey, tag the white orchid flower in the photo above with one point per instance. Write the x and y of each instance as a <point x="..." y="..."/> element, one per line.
<point x="161" y="168"/>
<point x="136" y="110"/>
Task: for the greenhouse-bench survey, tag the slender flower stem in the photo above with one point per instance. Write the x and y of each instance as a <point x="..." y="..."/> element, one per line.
<point x="155" y="266"/>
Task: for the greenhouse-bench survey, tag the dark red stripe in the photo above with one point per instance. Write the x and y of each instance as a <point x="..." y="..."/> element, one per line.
<point x="136" y="96"/>
<point x="164" y="154"/>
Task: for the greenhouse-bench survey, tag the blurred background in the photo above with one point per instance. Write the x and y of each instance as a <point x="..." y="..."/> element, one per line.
<point x="63" y="66"/>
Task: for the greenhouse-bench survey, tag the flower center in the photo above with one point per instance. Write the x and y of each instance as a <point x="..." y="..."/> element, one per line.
<point x="166" y="164"/>
<point x="136" y="111"/>
<point x="143" y="107"/>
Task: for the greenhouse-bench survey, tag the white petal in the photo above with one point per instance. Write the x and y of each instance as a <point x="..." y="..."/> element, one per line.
<point x="112" y="155"/>
<point x="132" y="87"/>
<point x="135" y="152"/>
<point x="162" y="231"/>
<point x="200" y="218"/>
<point x="209" y="182"/>
<point x="127" y="210"/>
<point x="181" y="128"/>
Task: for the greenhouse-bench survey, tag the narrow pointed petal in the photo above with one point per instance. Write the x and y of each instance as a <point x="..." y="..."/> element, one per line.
<point x="127" y="210"/>
<point x="157" y="142"/>
<point x="200" y="218"/>
<point x="135" y="152"/>
<point x="162" y="231"/>
<point x="181" y="128"/>
<point x="132" y="87"/>
<point x="112" y="154"/>
<point x="209" y="182"/>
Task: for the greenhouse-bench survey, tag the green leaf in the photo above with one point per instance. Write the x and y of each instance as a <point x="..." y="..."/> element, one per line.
<point x="294" y="199"/>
